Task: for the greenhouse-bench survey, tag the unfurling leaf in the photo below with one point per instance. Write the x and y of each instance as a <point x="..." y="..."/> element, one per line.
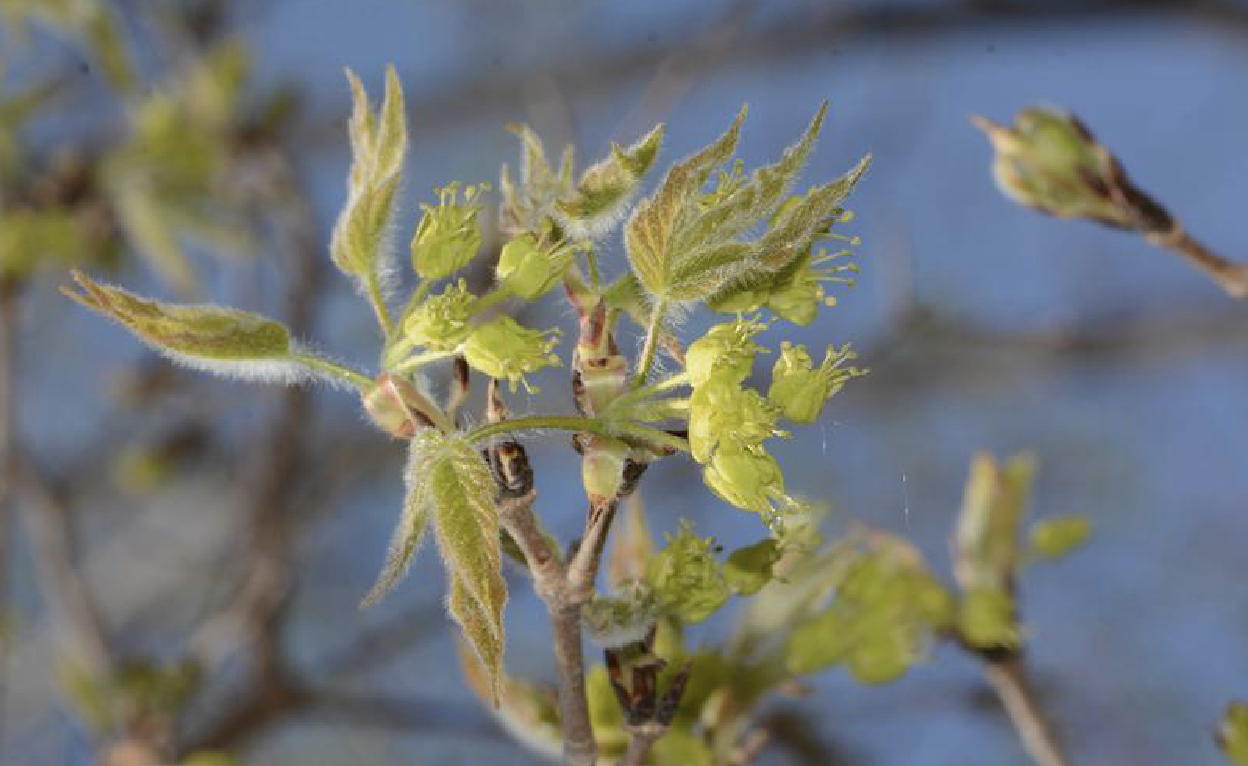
<point x="409" y="532"/>
<point x="1232" y="735"/>
<point x="210" y="338"/>
<point x="986" y="539"/>
<point x="449" y="481"/>
<point x="1055" y="537"/>
<point x="379" y="145"/>
<point x="606" y="187"/>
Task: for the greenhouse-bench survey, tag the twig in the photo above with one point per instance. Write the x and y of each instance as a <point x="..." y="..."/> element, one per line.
<point x="1008" y="678"/>
<point x="1230" y="276"/>
<point x="550" y="581"/>
<point x="641" y="741"/>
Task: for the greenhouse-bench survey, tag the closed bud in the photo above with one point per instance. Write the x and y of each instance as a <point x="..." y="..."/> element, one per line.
<point x="1049" y="161"/>
<point x="602" y="468"/>
<point x="800" y="391"/>
<point x="744" y="478"/>
<point x="529" y="271"/>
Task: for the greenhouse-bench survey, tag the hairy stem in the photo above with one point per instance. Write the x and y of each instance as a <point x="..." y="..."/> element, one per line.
<point x="335" y="370"/>
<point x="379" y="306"/>
<point x="612" y="429"/>
<point x="1008" y="678"/>
<point x="653" y="329"/>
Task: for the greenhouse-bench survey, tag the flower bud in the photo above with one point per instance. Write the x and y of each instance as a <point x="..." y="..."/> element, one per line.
<point x="800" y="391"/>
<point x="1049" y="161"/>
<point x="745" y="479"/>
<point x="602" y="468"/>
<point x="529" y="271"/>
<point x="725" y="352"/>
<point x="441" y="322"/>
<point x="502" y="348"/>
<point x="447" y="237"/>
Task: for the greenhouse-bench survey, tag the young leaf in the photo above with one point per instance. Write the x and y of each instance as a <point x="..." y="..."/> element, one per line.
<point x="606" y="187"/>
<point x="461" y="489"/>
<point x="211" y="338"/>
<point x="410" y="531"/>
<point x="986" y="538"/>
<point x="379" y="145"/>
<point x="656" y="227"/>
<point x="449" y="482"/>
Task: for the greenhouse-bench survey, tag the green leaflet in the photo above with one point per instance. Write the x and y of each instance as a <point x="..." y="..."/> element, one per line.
<point x="378" y="145"/>
<point x="212" y="338"/>
<point x="1232" y="735"/>
<point x="606" y="187"/>
<point x="414" y="520"/>
<point x="748" y="569"/>
<point x="450" y="483"/>
<point x="467" y="530"/>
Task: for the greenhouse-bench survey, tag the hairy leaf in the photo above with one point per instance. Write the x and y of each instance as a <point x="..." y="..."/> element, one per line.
<point x="379" y="145"/>
<point x="211" y="338"/>
<point x="410" y="531"/>
<point x="655" y="230"/>
<point x="606" y="187"/>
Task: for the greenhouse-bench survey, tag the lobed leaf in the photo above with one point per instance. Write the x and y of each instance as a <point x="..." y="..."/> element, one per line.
<point x="654" y="231"/>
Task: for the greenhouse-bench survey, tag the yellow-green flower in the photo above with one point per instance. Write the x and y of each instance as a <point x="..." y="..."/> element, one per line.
<point x="447" y="237"/>
<point x="504" y="349"/>
<point x="800" y="391"/>
<point x="725" y="352"/>
<point x="721" y="412"/>
<point x="441" y="323"/>
<point x="747" y="479"/>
